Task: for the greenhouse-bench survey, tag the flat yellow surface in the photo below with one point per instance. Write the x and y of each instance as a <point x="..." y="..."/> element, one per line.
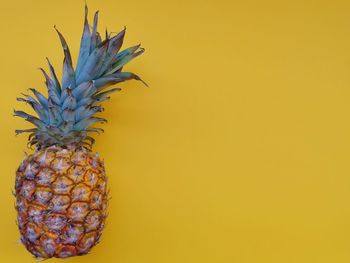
<point x="239" y="151"/>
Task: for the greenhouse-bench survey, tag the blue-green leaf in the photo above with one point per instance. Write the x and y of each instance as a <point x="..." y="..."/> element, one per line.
<point x="86" y="112"/>
<point x="68" y="117"/>
<point x="68" y="75"/>
<point x="54" y="113"/>
<point x="126" y="52"/>
<point x="40" y="111"/>
<point x="81" y="125"/>
<point x="84" y="44"/>
<point x="70" y="102"/>
<point x="97" y="130"/>
<point x="124" y="60"/>
<point x="84" y="102"/>
<point x="93" y="64"/>
<point x="94" y="33"/>
<point x="54" y="78"/>
<point x="114" y="46"/>
<point x="83" y="90"/>
<point x="115" y="78"/>
<point x="41" y="98"/>
<point x="50" y="87"/>
<point x="34" y="130"/>
<point x="98" y="39"/>
<point x="105" y="93"/>
<point x="34" y="120"/>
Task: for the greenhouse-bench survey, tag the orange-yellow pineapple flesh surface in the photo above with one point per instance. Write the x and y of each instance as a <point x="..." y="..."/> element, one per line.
<point x="61" y="201"/>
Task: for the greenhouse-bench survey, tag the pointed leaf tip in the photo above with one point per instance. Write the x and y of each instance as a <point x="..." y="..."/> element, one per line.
<point x="85" y="44"/>
<point x="144" y="82"/>
<point x="94" y="33"/>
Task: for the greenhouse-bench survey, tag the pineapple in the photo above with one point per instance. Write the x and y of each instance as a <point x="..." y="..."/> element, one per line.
<point x="60" y="189"/>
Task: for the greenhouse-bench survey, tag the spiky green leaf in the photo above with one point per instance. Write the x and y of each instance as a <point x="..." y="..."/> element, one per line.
<point x="84" y="45"/>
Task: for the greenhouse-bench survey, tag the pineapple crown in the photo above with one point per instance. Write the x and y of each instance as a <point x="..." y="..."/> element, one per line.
<point x="66" y="115"/>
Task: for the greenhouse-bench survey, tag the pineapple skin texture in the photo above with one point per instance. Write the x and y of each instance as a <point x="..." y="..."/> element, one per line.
<point x="61" y="201"/>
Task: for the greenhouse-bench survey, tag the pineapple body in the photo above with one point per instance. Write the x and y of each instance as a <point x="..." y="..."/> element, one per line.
<point x="61" y="200"/>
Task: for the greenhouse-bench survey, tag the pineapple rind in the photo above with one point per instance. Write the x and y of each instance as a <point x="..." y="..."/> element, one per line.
<point x="61" y="200"/>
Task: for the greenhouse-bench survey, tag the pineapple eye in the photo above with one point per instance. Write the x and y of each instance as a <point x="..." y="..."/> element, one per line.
<point x="49" y="246"/>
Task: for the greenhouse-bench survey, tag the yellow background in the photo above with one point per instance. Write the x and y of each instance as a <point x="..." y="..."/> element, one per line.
<point x="239" y="151"/>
